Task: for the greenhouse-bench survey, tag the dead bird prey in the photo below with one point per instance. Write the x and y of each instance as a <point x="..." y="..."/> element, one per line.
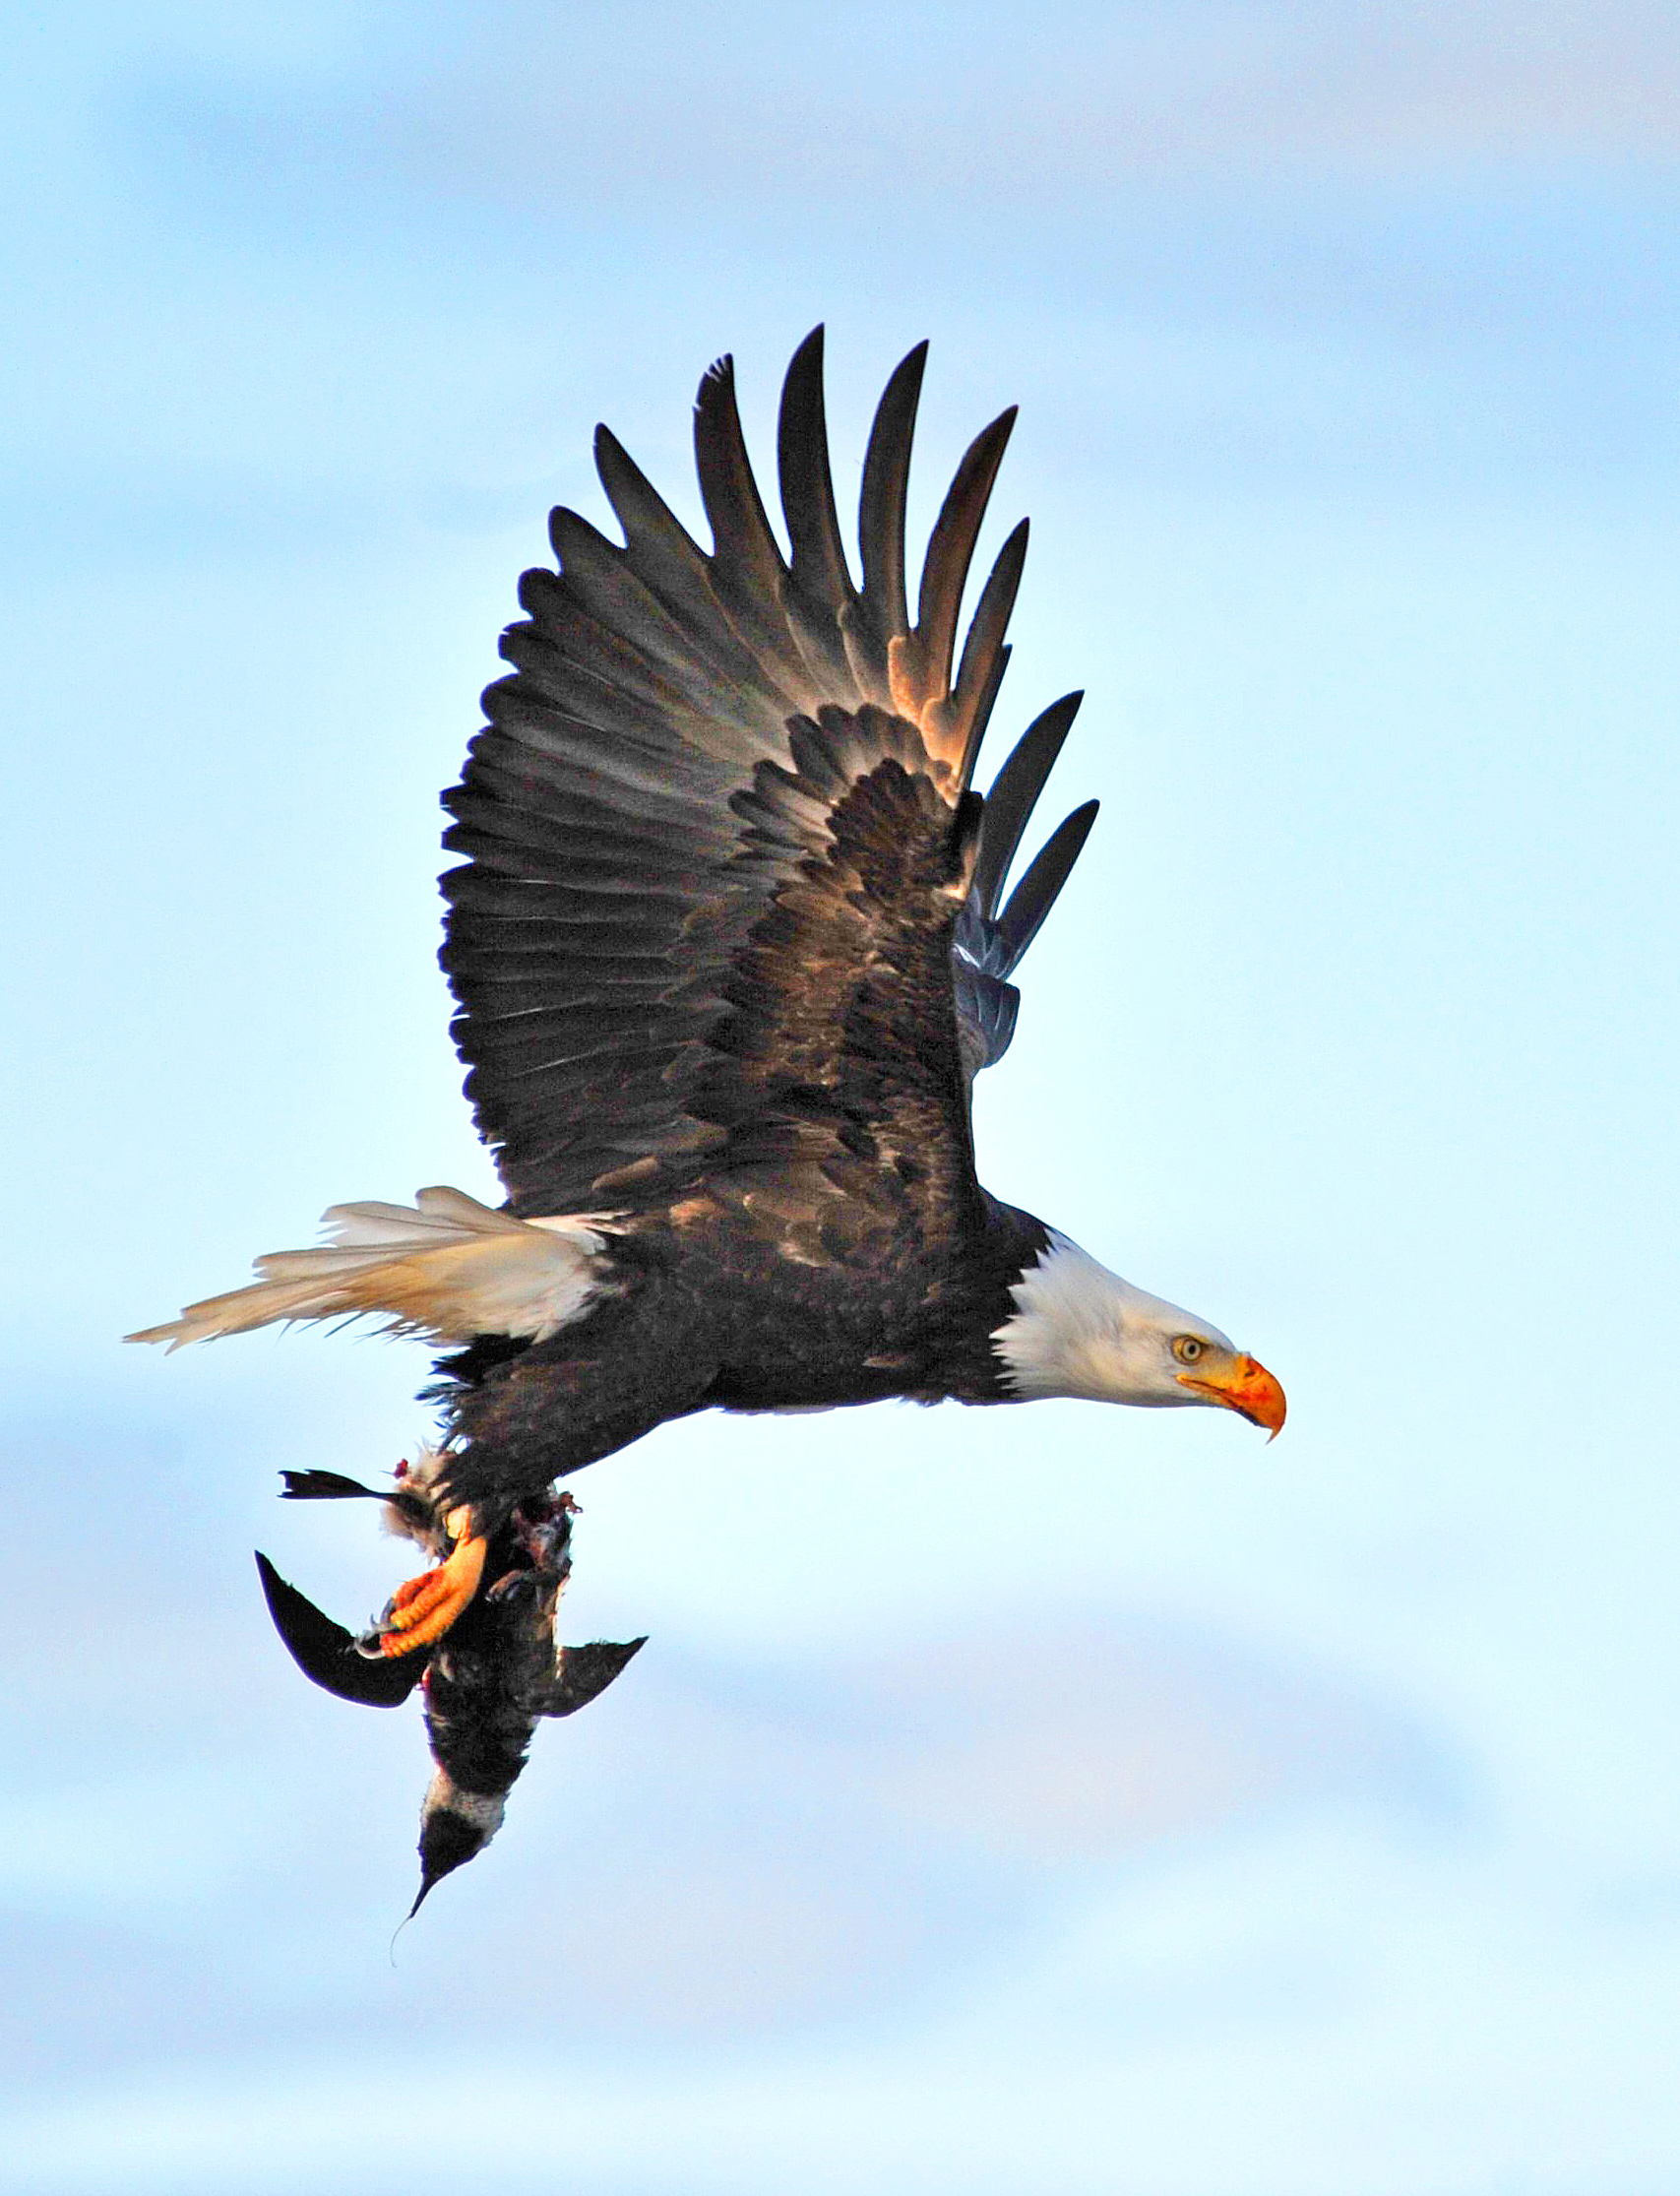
<point x="730" y="943"/>
<point x="486" y="1684"/>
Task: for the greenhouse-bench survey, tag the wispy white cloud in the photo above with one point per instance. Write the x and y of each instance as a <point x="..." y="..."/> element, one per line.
<point x="1358" y="2022"/>
<point x="899" y="109"/>
<point x="710" y="1858"/>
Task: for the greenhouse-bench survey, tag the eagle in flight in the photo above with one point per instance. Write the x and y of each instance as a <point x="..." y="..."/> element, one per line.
<point x="729" y="941"/>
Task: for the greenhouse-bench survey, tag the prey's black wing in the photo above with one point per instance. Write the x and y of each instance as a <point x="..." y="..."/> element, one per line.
<point x="328" y="1655"/>
<point x="727" y="901"/>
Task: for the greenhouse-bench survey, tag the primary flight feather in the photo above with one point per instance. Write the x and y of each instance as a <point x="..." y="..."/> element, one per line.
<point x="730" y="940"/>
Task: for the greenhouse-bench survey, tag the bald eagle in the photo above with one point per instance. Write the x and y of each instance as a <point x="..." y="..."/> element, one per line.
<point x="730" y="942"/>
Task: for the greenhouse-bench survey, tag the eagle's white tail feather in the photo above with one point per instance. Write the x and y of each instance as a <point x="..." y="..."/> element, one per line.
<point x="442" y="1214"/>
<point x="444" y="1266"/>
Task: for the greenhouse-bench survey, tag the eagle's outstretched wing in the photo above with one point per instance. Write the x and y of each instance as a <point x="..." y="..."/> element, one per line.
<point x="728" y="898"/>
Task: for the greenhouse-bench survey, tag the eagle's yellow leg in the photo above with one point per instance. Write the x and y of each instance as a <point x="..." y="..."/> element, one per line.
<point x="423" y="1608"/>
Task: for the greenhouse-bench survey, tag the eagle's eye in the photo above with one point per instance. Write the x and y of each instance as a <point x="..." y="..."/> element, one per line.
<point x="1188" y="1348"/>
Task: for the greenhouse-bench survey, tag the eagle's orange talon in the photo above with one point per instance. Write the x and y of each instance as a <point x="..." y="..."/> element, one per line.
<point x="423" y="1608"/>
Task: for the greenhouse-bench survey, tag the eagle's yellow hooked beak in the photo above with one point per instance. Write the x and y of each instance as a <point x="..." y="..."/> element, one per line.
<point x="1244" y="1385"/>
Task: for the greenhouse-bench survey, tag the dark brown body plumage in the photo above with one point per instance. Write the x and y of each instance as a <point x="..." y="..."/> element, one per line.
<point x="852" y="1329"/>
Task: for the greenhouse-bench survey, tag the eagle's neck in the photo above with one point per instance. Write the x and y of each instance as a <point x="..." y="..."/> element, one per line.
<point x="970" y="1367"/>
<point x="1074" y="1329"/>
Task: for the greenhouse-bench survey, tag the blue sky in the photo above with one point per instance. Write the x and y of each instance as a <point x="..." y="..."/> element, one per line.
<point x="1052" y="1798"/>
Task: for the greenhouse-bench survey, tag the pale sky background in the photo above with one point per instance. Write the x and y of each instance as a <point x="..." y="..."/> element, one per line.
<point x="1058" y="1800"/>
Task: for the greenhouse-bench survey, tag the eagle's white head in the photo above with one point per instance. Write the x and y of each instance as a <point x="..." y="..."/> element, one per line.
<point x="1079" y="1330"/>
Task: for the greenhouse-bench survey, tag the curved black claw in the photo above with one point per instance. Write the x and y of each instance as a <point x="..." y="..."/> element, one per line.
<point x="326" y="1654"/>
